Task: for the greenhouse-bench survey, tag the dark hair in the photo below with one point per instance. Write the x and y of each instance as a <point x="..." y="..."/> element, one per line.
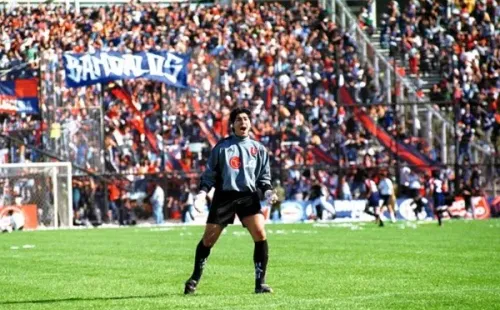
<point x="236" y="111"/>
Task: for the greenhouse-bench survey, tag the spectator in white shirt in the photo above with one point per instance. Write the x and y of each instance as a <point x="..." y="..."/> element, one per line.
<point x="345" y="190"/>
<point x="386" y="189"/>
<point x="157" y="202"/>
<point x="187" y="200"/>
<point x="414" y="185"/>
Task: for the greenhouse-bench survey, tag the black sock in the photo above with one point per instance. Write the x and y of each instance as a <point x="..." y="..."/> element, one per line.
<point x="260" y="257"/>
<point x="319" y="212"/>
<point x="439" y="218"/>
<point x="367" y="211"/>
<point x="200" y="259"/>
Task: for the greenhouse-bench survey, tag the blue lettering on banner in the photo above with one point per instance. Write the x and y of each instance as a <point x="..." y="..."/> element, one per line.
<point x="354" y="209"/>
<point x="19" y="96"/>
<point x="15" y="105"/>
<point x="102" y="67"/>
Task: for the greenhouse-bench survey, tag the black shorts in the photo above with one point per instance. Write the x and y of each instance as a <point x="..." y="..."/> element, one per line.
<point x="385" y="199"/>
<point x="227" y="204"/>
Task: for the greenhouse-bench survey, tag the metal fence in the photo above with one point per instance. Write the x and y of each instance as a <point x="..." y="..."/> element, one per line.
<point x="72" y="118"/>
<point x="76" y="127"/>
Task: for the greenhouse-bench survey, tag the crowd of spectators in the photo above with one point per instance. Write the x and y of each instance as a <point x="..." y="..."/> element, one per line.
<point x="278" y="61"/>
<point x="285" y="63"/>
<point x="461" y="43"/>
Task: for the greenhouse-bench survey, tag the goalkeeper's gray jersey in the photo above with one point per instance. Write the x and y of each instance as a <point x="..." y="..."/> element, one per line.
<point x="237" y="164"/>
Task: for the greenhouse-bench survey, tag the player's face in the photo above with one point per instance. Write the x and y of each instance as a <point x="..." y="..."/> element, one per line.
<point x="242" y="125"/>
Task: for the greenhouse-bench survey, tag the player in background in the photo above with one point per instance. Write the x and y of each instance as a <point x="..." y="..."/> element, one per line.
<point x="238" y="169"/>
<point x="187" y="201"/>
<point x="386" y="189"/>
<point x="419" y="204"/>
<point x="280" y="193"/>
<point x="373" y="198"/>
<point x="437" y="191"/>
<point x="318" y="200"/>
<point x="466" y="192"/>
<point x="414" y="185"/>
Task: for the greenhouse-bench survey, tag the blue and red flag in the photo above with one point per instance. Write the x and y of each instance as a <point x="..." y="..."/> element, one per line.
<point x="405" y="152"/>
<point x="209" y="134"/>
<point x="138" y="121"/>
<point x="19" y="96"/>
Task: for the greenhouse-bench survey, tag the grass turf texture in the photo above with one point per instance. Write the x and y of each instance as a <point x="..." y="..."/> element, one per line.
<point x="358" y="266"/>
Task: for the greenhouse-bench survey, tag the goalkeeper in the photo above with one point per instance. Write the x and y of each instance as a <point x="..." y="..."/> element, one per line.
<point x="238" y="169"/>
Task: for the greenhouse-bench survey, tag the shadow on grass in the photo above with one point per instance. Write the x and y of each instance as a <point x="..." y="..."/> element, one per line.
<point x="76" y="299"/>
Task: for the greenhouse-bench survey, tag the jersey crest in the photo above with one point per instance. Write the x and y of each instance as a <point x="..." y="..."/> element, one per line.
<point x="235" y="162"/>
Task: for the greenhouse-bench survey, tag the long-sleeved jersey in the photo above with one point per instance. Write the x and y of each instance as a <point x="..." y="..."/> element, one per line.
<point x="237" y="164"/>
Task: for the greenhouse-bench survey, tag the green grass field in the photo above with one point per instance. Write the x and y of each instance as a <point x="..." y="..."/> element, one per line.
<point x="342" y="266"/>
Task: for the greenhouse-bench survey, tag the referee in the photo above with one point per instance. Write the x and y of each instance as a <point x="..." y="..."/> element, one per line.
<point x="238" y="168"/>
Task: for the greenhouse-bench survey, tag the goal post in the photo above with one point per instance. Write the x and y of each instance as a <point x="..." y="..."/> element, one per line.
<point x="42" y="193"/>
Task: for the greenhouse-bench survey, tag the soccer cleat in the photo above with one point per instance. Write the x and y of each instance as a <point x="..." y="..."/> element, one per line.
<point x="190" y="287"/>
<point x="379" y="221"/>
<point x="263" y="289"/>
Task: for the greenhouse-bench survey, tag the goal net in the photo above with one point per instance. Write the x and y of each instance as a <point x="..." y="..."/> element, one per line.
<point x="38" y="193"/>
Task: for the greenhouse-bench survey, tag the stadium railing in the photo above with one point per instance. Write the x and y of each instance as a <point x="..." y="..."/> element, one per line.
<point x="404" y="88"/>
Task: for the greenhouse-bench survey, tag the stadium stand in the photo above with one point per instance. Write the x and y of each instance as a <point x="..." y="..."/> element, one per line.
<point x="454" y="51"/>
<point x="316" y="101"/>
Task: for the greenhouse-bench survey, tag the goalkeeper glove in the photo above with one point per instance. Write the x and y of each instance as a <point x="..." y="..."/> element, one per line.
<point x="200" y="200"/>
<point x="271" y="197"/>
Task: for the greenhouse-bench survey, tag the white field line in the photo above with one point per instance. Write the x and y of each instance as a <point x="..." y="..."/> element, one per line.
<point x="172" y="226"/>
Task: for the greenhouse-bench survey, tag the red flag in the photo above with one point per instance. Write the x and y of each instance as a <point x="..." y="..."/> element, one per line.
<point x="138" y="121"/>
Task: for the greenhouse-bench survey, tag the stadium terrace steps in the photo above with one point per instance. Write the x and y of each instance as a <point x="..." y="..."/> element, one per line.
<point x="405" y="152"/>
<point x="381" y="53"/>
<point x="425" y="83"/>
<point x="356" y="6"/>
